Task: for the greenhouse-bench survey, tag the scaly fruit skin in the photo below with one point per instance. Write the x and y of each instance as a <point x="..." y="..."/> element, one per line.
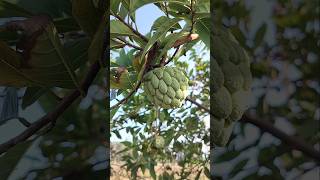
<point x="166" y="87"/>
<point x="231" y="79"/>
<point x="160" y="142"/>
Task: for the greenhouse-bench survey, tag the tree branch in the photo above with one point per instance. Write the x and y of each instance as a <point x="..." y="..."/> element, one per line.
<point x="174" y="54"/>
<point x="131" y="28"/>
<point x="53" y="115"/>
<point x="128" y="96"/>
<point x="292" y="141"/>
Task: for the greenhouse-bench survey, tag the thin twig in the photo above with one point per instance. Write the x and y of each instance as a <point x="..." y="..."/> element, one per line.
<point x="174" y="54"/>
<point x="199" y="105"/>
<point x="192" y="16"/>
<point x="128" y="96"/>
<point x="129" y="44"/>
<point x="131" y="28"/>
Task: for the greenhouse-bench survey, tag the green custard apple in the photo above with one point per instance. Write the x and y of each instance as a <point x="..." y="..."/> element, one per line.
<point x="166" y="87"/>
<point x="231" y="79"/>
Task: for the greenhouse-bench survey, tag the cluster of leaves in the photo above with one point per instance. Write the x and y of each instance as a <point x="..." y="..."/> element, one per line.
<point x="285" y="86"/>
<point x="46" y="55"/>
<point x="183" y="130"/>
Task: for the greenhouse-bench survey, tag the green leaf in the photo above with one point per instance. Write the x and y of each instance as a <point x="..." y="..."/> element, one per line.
<point x="159" y="33"/>
<point x="96" y="47"/>
<point x="160" y="21"/>
<point x="139" y="3"/>
<point x="169" y="42"/>
<point x="238" y="167"/>
<point x="9" y="161"/>
<point x="10" y="61"/>
<point x="33" y="70"/>
<point x="203" y="28"/>
<point x="227" y="156"/>
<point x="127" y="143"/>
<point x="87" y="16"/>
<point x="8" y="9"/>
<point x="117" y="134"/>
<point x="115" y="44"/>
<point x="260" y="35"/>
<point x="113" y="112"/>
<point x="207" y="172"/>
<point x="202" y="6"/>
<point x="117" y="28"/>
<point x="151" y="170"/>
<point x="31" y="95"/>
<point x="66" y="24"/>
<point x="114" y="6"/>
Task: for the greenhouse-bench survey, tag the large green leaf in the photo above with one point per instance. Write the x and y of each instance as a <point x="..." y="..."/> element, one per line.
<point x="162" y="31"/>
<point x="8" y="9"/>
<point x="117" y="28"/>
<point x="87" y="15"/>
<point x="96" y="47"/>
<point x="203" y="28"/>
<point x="9" y="161"/>
<point x="43" y="62"/>
<point x="10" y="61"/>
<point x="31" y="95"/>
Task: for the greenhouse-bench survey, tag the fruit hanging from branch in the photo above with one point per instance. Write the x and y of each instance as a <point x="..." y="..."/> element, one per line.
<point x="166" y="87"/>
<point x="231" y="79"/>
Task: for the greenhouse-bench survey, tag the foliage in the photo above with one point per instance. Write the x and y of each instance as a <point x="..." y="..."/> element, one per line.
<point x="182" y="129"/>
<point x="285" y="56"/>
<point x="45" y="56"/>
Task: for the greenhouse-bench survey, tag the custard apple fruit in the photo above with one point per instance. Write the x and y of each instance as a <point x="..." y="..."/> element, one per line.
<point x="160" y="142"/>
<point x="166" y="87"/>
<point x="231" y="79"/>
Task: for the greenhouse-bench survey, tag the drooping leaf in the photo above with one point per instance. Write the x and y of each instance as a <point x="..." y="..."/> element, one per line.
<point x="238" y="167"/>
<point x="96" y="47"/>
<point x="31" y="95"/>
<point x="87" y="16"/>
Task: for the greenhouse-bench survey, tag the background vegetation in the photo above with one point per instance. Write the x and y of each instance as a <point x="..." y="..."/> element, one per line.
<point x="283" y="39"/>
